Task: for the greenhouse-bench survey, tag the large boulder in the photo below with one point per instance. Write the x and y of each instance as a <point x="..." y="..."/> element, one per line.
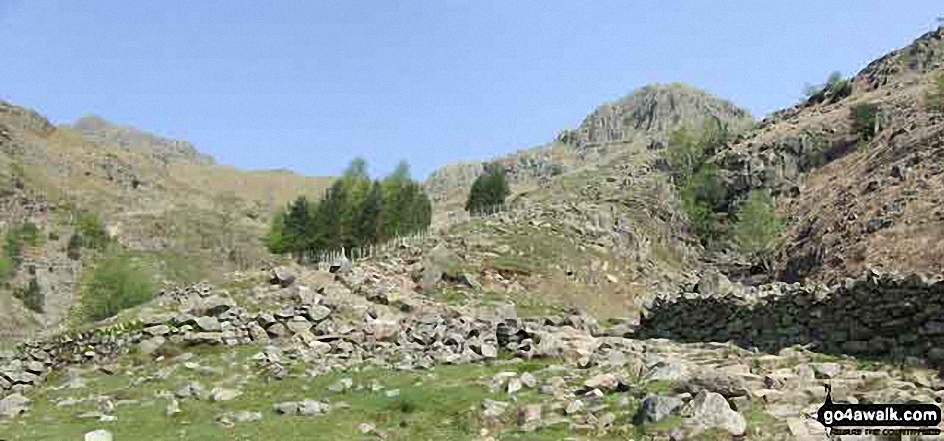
<point x="710" y="410"/>
<point x="13" y="405"/>
<point x="438" y="263"/>
<point x="655" y="408"/>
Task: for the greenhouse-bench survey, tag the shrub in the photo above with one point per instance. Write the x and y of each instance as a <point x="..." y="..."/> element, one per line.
<point x="684" y="154"/>
<point x="701" y="194"/>
<point x="7" y="268"/>
<point x="935" y="95"/>
<point x="29" y="234"/>
<point x="757" y="225"/>
<point x="488" y="191"/>
<point x="74" y="249"/>
<point x="863" y="117"/>
<point x="32" y="296"/>
<point x="116" y="283"/>
<point x="91" y="230"/>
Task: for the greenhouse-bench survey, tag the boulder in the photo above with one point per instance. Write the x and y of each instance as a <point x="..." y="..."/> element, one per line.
<point x="281" y="277"/>
<point x="99" y="435"/>
<point x="150" y="346"/>
<point x="711" y="410"/>
<point x="340" y="265"/>
<point x="655" y="408"/>
<point x="208" y="324"/>
<point x="13" y="405"/>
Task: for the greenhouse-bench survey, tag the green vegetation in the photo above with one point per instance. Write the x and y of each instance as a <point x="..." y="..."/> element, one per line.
<point x="18" y="236"/>
<point x="116" y="282"/>
<point x="354" y="212"/>
<point x="836" y="86"/>
<point x="935" y="95"/>
<point x="757" y="225"/>
<point x="89" y="233"/>
<point x="863" y="118"/>
<point x="699" y="187"/>
<point x="32" y="296"/>
<point x="441" y="404"/>
<point x="488" y="191"/>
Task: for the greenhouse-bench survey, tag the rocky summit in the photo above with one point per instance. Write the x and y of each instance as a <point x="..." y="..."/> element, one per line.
<point x="620" y="292"/>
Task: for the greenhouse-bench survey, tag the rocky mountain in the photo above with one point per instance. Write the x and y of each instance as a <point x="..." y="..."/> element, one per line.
<point x="654" y="112"/>
<point x="644" y="118"/>
<point x="132" y="138"/>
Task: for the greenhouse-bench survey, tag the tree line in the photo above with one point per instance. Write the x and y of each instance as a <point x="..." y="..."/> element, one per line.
<point x="354" y="211"/>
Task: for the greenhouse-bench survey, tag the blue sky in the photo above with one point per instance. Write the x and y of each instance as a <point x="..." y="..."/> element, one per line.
<point x="307" y="85"/>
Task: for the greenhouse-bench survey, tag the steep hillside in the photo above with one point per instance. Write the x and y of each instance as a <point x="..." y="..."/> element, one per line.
<point x="852" y="200"/>
<point x="189" y="218"/>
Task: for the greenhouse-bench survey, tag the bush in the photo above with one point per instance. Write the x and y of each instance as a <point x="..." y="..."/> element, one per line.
<point x="7" y="268"/>
<point x="935" y="95"/>
<point x="701" y="194"/>
<point x="32" y="296"/>
<point x="863" y="117"/>
<point x="91" y="231"/>
<point x="116" y="283"/>
<point x="74" y="249"/>
<point x="488" y="191"/>
<point x="835" y="88"/>
<point x="757" y="225"/>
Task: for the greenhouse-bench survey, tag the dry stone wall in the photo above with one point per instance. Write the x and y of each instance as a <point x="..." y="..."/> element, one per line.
<point x="880" y="315"/>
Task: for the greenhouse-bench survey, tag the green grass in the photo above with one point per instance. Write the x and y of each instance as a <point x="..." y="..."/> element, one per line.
<point x="442" y="404"/>
<point x="115" y="283"/>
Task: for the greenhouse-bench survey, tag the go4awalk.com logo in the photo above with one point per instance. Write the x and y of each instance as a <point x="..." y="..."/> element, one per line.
<point x="879" y="419"/>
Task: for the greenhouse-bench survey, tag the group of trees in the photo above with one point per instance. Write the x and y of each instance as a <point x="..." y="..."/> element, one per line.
<point x="699" y="187"/>
<point x="355" y="211"/>
<point x="755" y="224"/>
<point x="489" y="190"/>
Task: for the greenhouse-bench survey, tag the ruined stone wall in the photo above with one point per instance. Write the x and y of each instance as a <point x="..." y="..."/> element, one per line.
<point x="877" y="315"/>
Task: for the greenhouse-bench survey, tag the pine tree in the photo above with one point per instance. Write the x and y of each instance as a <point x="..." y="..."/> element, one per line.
<point x="294" y="229"/>
<point x="489" y="190"/>
<point x="367" y="222"/>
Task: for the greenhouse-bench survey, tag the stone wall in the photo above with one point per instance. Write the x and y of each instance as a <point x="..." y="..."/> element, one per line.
<point x="878" y="315"/>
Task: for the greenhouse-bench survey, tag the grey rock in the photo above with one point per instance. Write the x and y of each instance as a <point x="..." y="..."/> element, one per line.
<point x="312" y="407"/>
<point x="710" y="410"/>
<point x="13" y="405"/>
<point x="208" y="324"/>
<point x="150" y="346"/>
<point x="224" y="394"/>
<point x="281" y="277"/>
<point x="317" y="313"/>
<point x="492" y="409"/>
<point x="99" y="435"/>
<point x="655" y="408"/>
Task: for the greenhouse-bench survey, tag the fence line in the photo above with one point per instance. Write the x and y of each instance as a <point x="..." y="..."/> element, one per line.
<point x="324" y="259"/>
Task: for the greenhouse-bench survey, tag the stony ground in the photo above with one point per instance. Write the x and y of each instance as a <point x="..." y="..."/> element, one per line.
<point x="355" y="355"/>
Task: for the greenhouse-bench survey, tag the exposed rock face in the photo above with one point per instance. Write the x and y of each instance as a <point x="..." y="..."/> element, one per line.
<point x="654" y="112"/>
<point x="924" y="55"/>
<point x="166" y="150"/>
<point x="648" y="116"/>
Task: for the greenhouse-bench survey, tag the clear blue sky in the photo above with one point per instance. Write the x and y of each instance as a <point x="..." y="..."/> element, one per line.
<point x="306" y="85"/>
